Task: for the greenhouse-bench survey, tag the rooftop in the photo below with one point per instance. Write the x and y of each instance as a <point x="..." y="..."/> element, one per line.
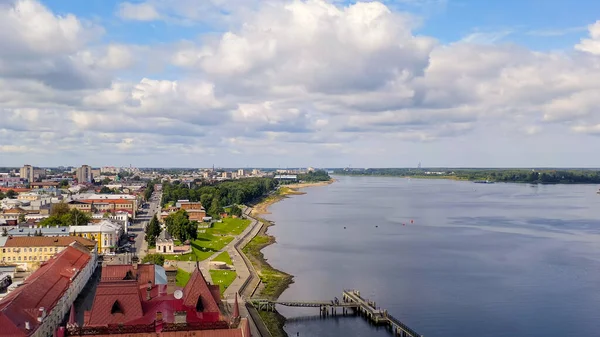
<point x="42" y="241"/>
<point x="43" y="288"/>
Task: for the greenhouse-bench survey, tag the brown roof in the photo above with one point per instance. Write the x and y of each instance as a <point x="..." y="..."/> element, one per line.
<point x="43" y="288"/>
<point x="197" y="288"/>
<point x="15" y="210"/>
<point x="123" y="295"/>
<point x="43" y="241"/>
<point x="143" y="273"/>
<point x="45" y="183"/>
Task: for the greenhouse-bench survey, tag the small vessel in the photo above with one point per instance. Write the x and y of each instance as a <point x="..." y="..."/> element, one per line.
<point x="598" y="191"/>
<point x="483" y="182"/>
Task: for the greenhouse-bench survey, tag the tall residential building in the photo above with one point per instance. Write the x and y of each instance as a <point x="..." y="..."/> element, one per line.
<point x="241" y="172"/>
<point x="84" y="174"/>
<point x="26" y="172"/>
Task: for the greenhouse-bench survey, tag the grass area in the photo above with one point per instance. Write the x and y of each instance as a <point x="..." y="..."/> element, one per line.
<point x="212" y="240"/>
<point x="182" y="277"/>
<point x="224" y="257"/>
<point x="229" y="226"/>
<point x="223" y="278"/>
<point x="274" y="323"/>
<point x="274" y="281"/>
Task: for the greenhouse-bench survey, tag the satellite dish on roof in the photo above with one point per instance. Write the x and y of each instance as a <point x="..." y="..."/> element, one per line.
<point x="178" y="294"/>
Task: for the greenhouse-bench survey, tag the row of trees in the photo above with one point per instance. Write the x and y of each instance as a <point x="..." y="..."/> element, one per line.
<point x="148" y="191"/>
<point x="314" y="176"/>
<point x="62" y="215"/>
<point x="217" y="195"/>
<point x="537" y="176"/>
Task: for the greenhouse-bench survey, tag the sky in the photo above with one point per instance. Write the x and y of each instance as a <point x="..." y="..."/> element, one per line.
<point x="282" y="83"/>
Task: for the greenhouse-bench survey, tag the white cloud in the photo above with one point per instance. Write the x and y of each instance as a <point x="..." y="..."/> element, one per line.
<point x="295" y="80"/>
<point x="138" y="11"/>
<point x="591" y="45"/>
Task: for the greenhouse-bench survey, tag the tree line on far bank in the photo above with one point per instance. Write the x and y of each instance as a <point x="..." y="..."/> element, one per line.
<point x="533" y="176"/>
<point x="314" y="176"/>
<point x="215" y="196"/>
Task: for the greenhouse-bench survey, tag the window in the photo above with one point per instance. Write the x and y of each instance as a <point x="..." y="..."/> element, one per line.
<point x="116" y="308"/>
<point x="19" y="258"/>
<point x="29" y="257"/>
<point x="55" y="249"/>
<point x="30" y="249"/>
<point x="35" y="258"/>
<point x="34" y="250"/>
<point x="45" y="249"/>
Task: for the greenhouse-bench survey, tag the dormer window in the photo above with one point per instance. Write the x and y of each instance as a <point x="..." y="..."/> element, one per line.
<point x="116" y="308"/>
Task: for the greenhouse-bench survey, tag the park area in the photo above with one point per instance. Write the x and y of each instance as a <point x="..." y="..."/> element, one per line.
<point x="211" y="240"/>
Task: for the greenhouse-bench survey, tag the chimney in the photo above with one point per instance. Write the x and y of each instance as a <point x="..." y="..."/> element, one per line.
<point x="41" y="314"/>
<point x="159" y="316"/>
<point x="135" y="266"/>
<point x="148" y="290"/>
<point x="27" y="326"/>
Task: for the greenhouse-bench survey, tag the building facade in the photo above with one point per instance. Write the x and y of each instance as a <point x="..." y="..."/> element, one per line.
<point x="106" y="234"/>
<point x="84" y="174"/>
<point x="29" y="252"/>
<point x="26" y="172"/>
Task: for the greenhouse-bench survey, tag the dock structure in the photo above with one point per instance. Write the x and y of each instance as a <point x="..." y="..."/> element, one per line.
<point x="352" y="303"/>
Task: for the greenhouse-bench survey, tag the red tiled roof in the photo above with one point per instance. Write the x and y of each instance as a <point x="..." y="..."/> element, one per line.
<point x="45" y="183"/>
<point x="127" y="294"/>
<point x="43" y="288"/>
<point x="18" y="190"/>
<point x="144" y="273"/>
<point x="47" y="241"/>
<point x="197" y="287"/>
<point x="106" y="201"/>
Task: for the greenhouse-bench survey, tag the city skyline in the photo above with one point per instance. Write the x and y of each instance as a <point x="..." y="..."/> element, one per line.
<point x="280" y="83"/>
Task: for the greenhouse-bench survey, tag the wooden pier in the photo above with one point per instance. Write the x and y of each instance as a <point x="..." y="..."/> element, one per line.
<point x="351" y="303"/>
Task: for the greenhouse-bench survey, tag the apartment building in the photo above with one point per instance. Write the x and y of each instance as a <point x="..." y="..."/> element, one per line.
<point x="29" y="252"/>
<point x="39" y="305"/>
<point x="27" y="172"/>
<point x="84" y="174"/>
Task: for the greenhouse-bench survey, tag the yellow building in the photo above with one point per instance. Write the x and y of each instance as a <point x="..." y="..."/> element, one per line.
<point x="28" y="252"/>
<point x="106" y="234"/>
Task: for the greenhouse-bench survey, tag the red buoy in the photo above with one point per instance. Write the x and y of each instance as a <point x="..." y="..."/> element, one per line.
<point x="412" y="221"/>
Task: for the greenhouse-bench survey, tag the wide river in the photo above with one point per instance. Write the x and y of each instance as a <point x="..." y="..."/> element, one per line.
<point x="489" y="260"/>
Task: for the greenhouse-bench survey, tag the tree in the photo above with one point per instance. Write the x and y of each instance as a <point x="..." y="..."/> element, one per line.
<point x="149" y="190"/>
<point x="11" y="194"/>
<point x="235" y="210"/>
<point x="105" y="181"/>
<point x="4" y="232"/>
<point x="106" y="215"/>
<point x="2" y="195"/>
<point x="180" y="227"/>
<point x="215" y="208"/>
<point x="76" y="217"/>
<point x="106" y="190"/>
<point x="152" y="231"/>
<point x="22" y="218"/>
<point x="154" y="259"/>
<point x="59" y="209"/>
<point x="63" y="184"/>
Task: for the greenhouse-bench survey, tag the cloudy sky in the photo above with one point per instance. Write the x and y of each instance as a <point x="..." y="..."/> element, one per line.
<point x="277" y="83"/>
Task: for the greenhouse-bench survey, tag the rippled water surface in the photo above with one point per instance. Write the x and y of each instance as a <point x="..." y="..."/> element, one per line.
<point x="488" y="260"/>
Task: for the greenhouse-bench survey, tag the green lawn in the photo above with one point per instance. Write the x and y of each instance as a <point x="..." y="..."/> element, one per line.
<point x="224" y="257"/>
<point x="182" y="277"/>
<point x="223" y="278"/>
<point x="230" y="226"/>
<point x="212" y="240"/>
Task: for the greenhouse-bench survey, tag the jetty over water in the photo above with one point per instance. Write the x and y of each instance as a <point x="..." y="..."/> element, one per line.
<point x="351" y="302"/>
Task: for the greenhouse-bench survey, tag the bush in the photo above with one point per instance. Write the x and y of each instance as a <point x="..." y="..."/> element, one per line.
<point x="158" y="259"/>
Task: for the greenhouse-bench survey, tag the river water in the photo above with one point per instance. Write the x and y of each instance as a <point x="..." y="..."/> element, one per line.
<point x="489" y="260"/>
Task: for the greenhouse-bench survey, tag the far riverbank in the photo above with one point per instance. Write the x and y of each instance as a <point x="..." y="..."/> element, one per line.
<point x="273" y="281"/>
